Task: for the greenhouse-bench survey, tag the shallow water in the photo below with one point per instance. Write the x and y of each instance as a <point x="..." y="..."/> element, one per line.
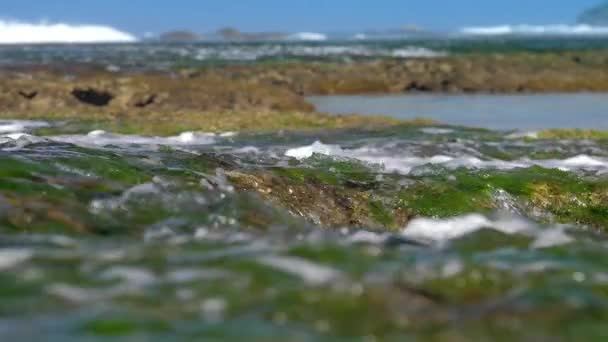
<point x="503" y="112"/>
<point x="141" y="238"/>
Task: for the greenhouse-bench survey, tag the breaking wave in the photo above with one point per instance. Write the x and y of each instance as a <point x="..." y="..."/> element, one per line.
<point x="308" y="36"/>
<point x="565" y="30"/>
<point x="16" y="32"/>
<point x="406" y="163"/>
<point x="436" y="230"/>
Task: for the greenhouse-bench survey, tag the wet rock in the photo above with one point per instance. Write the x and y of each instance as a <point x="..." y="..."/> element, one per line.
<point x="266" y="96"/>
<point x="417" y="87"/>
<point x="446" y="68"/>
<point x="322" y="203"/>
<point x="28" y="95"/>
<point x="92" y="96"/>
<point x="146" y="101"/>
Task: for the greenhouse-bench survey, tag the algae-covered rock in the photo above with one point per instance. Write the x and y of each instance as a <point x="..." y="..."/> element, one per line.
<point x="324" y="203"/>
<point x="109" y="194"/>
<point x="246" y="181"/>
<point x="572" y="134"/>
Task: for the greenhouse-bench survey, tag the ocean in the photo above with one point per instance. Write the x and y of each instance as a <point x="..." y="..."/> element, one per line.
<point x="163" y="56"/>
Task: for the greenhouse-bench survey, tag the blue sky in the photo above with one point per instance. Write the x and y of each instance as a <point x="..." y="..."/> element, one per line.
<point x="139" y="16"/>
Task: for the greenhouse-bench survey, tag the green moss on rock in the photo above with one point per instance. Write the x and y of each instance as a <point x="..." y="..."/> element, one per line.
<point x="573" y="134"/>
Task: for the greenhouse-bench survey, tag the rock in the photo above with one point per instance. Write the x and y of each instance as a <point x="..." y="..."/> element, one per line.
<point x="322" y="203"/>
<point x="445" y="68"/>
<point x="92" y="96"/>
<point x="29" y="95"/>
<point x="237" y="97"/>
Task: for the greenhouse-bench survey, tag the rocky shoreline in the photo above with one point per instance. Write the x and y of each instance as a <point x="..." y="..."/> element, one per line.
<point x="264" y="98"/>
<point x="272" y="96"/>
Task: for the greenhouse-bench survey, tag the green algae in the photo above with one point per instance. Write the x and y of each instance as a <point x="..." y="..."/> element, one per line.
<point x="381" y="214"/>
<point x="359" y="192"/>
<point x="560" y="196"/>
<point x="560" y="134"/>
<point x="108" y="167"/>
<point x="564" y="196"/>
<point x="158" y="124"/>
<point x="443" y="199"/>
<point x="330" y="171"/>
<point x="52" y="195"/>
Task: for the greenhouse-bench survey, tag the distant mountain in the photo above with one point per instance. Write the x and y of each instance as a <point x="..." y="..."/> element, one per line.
<point x="233" y="34"/>
<point x="596" y="16"/>
<point x="180" y="36"/>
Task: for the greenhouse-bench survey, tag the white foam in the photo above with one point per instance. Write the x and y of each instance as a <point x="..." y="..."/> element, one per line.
<point x="17" y="136"/>
<point x="132" y="275"/>
<point x="17" y="141"/>
<point x="17" y="32"/>
<point x="536" y="30"/>
<point x="416" y="52"/>
<point x="407" y="164"/>
<point x="308" y="36"/>
<point x="17" y="126"/>
<point x="270" y="50"/>
<point x="12" y="257"/>
<point x="442" y="230"/>
<point x="574" y="163"/>
<point x="102" y="138"/>
<point x="523" y="135"/>
<point x="368" y="237"/>
<point x="436" y="130"/>
<point x="455" y="227"/>
<point x="552" y="237"/>
<point x="311" y="273"/>
<point x="404" y="164"/>
<point x="317" y="147"/>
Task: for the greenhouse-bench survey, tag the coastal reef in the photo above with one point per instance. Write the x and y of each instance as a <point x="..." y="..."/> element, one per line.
<point x="270" y="96"/>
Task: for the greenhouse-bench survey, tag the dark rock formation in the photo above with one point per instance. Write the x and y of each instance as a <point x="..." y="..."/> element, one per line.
<point x="29" y="95"/>
<point x="92" y="96"/>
